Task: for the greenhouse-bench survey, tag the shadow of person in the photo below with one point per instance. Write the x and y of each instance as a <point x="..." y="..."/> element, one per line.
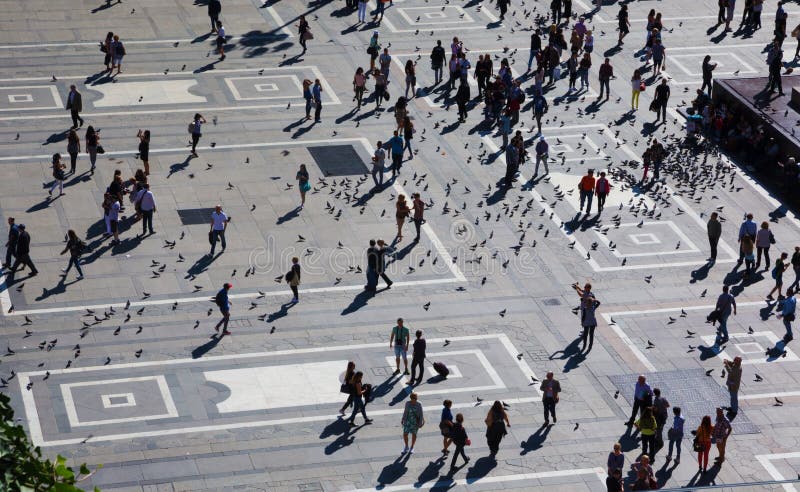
<point x="480" y="468"/>
<point x="340" y="442"/>
<point x="282" y="312"/>
<point x="179" y="166"/>
<point x="628" y="440"/>
<point x="291" y="214"/>
<point x="385" y="387"/>
<point x="535" y="440"/>
<point x="206" y="347"/>
<point x="360" y="300"/>
<point x="431" y="472"/>
<point x="664" y="473"/>
<point x="335" y="428"/>
<point x="701" y="273"/>
<point x="393" y="471"/>
<point x="401" y="395"/>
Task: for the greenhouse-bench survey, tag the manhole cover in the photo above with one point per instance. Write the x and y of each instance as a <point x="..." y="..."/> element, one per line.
<point x="338" y="160"/>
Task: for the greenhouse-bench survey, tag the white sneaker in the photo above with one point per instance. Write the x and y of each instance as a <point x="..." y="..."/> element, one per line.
<point x="405" y="450"/>
<point x="411" y="451"/>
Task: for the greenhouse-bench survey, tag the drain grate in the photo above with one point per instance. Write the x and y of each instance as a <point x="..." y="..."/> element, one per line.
<point x="195" y="216"/>
<point x="551" y="302"/>
<point x="338" y="160"/>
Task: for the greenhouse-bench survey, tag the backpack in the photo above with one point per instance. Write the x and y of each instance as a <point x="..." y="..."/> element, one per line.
<point x="218" y="299"/>
<point x="191" y="127"/>
<point x="289" y="276"/>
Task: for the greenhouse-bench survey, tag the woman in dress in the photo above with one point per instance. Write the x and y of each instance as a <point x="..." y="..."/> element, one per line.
<point x="412" y="420"/>
<point x="446" y="425"/>
<point x="411" y="78"/>
<point x="496" y="423"/>
<point x="303" y="184"/>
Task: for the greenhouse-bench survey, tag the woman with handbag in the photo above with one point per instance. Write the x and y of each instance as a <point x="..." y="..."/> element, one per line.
<point x="58" y="175"/>
<point x="303" y="184"/>
<point x="781" y="265"/>
<point x="496" y="422"/>
<point x="459" y="437"/>
<point x="702" y="443"/>
<point x="358" y="399"/>
<point x="675" y="435"/>
<point x="401" y="213"/>
<point x="446" y="426"/>
<point x="347" y="385"/>
<point x="304" y="33"/>
<point x="373" y="50"/>
<point x="764" y="239"/>
<point x="92" y="145"/>
<point x="411" y="421"/>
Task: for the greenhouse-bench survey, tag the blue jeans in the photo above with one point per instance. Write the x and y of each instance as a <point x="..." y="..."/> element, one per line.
<point x="437" y="74"/>
<point x="531" y="58"/>
<point x="723" y="327"/>
<point x="734" y="401"/>
<point x="308" y="108"/>
<point x="677" y="443"/>
<point x="372" y="279"/>
<point x="217" y="236"/>
<point x="410" y="150"/>
<point x="543" y="159"/>
<point x="586" y="196"/>
<point x="358" y="406"/>
<point x="788" y="325"/>
<point x="73" y="260"/>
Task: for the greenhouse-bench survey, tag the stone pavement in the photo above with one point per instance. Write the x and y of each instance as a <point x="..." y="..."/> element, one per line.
<point x="165" y="406"/>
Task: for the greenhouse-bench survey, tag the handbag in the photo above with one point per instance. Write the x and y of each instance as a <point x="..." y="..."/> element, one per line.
<point x="642" y="87"/>
<point x="344" y="388"/>
<point x="672" y="434"/>
<point x="696" y="446"/>
<point x="468" y="442"/>
<point x="308" y="35"/>
<point x="100" y="149"/>
<point x="771" y="238"/>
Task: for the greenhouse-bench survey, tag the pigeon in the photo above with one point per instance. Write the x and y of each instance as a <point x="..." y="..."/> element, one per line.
<point x="690" y="333"/>
<point x="650" y="344"/>
<point x="616" y="394"/>
<point x="446" y="342"/>
<point x="272" y="330"/>
<point x="758" y="378"/>
<point x="750" y="330"/>
<point x="502" y="313"/>
<point x="479" y="399"/>
<point x="778" y="402"/>
<point x="27" y="322"/>
<point x="426" y="306"/>
<point x="708" y="372"/>
<point x="577" y="424"/>
<point x="519" y="356"/>
<point x="138" y="353"/>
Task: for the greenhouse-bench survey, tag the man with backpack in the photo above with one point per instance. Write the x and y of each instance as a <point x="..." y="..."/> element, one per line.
<point x="75" y="246"/>
<point x="540" y="107"/>
<point x="224" y="304"/>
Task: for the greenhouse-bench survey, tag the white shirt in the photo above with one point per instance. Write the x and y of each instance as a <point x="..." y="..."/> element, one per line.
<point x="219" y="220"/>
<point x="146" y="200"/>
<point x="113" y="212"/>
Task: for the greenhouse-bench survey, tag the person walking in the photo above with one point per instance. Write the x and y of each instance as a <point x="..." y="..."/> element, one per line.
<point x="219" y="223"/>
<point x="309" y="98"/>
<point x="117" y="53"/>
<point x="293" y="279"/>
<point x="11" y="242"/>
<point x="399" y="339"/>
<point x="75" y="106"/>
<point x="708" y="74"/>
<point x="787" y="314"/>
<point x="512" y="164"/>
<point x="642" y="398"/>
<point x="397" y="148"/>
<point x="614" y="481"/>
<point x="714" y="229"/>
<point x="302" y="184"/>
<point x="92" y="146"/>
<point x="411" y="421"/>
<point x="458" y="436"/>
<point x="224" y="305"/>
<point x="636" y="88"/>
<point x="417" y="360"/>
<point x="105" y="47"/>
<point x="462" y="99"/>
<point x="496" y="423"/>
<point x="58" y="175"/>
<point x="378" y="164"/>
<point x="316" y="92"/>
<point x="675" y="435"/>
<point x="661" y="413"/>
<point x="411" y="78"/>
<point x="605" y="74"/>
<point x="75" y="247"/>
<point x="703" y="446"/>
<point x="73" y="149"/>
<point x="781" y="265"/>
<point x="419" y="214"/>
<point x="147" y="204"/>
<point x="446" y="426"/>
<point x="542" y="155"/>
<point x="658" y="51"/>
<point x="359" y="85"/>
<point x="764" y="239"/>
<point x="359" y="405"/>
<point x="623" y="24"/>
<point x="383" y="250"/>
<point x="747" y="228"/>
<point x="796" y="267"/>
<point x="372" y="267"/>
<point x="536" y="47"/>
<point x="601" y="190"/>
<point x="647" y="426"/>
<point x="144" y="150"/>
<point x="114" y="208"/>
<point x="196" y="131"/>
<point x="380" y="88"/>
<point x="303" y="33"/>
<point x="550" y="389"/>
<point x="734" y="379"/>
<point x="586" y="188"/>
<point x="22" y="256"/>
<point x="660" y="100"/>
<point x="347" y="385"/>
<point x="589" y="305"/>
<point x="748" y="248"/>
<point x="583" y="70"/>
<point x="540" y="107"/>
<point x="726" y="304"/>
<point x="775" y="62"/>
<point x="402" y="211"/>
<point x="438" y="57"/>
<point x="408" y="135"/>
<point x="722" y="430"/>
<point x="214" y="9"/>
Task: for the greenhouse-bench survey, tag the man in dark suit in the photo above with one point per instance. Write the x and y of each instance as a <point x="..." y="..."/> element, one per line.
<point x="383" y="250"/>
<point x="372" y="267"/>
<point x="23" y="252"/>
<point x="75" y="106"/>
<point x="11" y="244"/>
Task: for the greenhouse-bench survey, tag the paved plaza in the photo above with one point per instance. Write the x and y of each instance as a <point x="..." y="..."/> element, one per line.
<point x="123" y="366"/>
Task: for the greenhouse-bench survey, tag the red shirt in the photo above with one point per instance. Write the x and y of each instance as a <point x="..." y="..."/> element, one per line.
<point x="587" y="183"/>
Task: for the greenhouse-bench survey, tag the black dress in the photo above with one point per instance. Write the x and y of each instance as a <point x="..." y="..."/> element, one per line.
<point x="496" y="431"/>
